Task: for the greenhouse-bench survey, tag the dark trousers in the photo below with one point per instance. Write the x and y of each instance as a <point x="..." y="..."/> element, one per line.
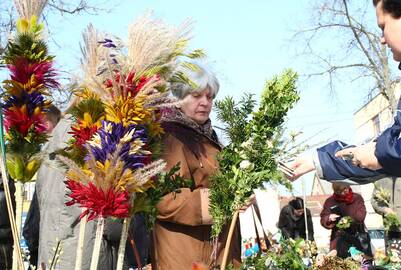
<point x="6" y="256"/>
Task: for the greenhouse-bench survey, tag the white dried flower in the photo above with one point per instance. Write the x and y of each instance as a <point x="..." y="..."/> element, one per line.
<point x="246" y="164"/>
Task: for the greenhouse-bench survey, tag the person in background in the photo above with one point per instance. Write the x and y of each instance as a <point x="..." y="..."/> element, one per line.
<point x="292" y="220"/>
<point x="30" y="230"/>
<point x="344" y="203"/>
<point x="60" y="222"/>
<point x="386" y="200"/>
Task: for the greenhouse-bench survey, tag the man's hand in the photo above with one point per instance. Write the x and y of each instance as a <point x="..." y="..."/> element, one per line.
<point x="362" y="156"/>
<point x="301" y="166"/>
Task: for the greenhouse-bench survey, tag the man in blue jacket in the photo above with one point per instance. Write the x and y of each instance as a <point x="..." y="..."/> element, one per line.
<point x="369" y="162"/>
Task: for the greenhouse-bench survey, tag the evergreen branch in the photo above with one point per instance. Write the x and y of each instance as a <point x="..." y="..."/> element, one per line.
<point x="249" y="160"/>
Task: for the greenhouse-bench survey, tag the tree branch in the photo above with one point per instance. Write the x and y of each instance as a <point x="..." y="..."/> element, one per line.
<point x="361" y="45"/>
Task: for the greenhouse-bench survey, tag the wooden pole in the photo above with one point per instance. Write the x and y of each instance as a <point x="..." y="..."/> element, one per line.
<point x="305" y="215"/>
<point x="135" y="250"/>
<point x="17" y="254"/>
<point x="123" y="242"/>
<point x="228" y="241"/>
<point x="98" y="242"/>
<point x="81" y="238"/>
<point x="19" y="200"/>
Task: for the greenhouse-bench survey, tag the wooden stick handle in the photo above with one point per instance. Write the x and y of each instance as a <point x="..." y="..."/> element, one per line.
<point x="228" y="241"/>
<point x="81" y="238"/>
<point x="19" y="201"/>
<point x="98" y="242"/>
<point x="123" y="241"/>
<point x="136" y="253"/>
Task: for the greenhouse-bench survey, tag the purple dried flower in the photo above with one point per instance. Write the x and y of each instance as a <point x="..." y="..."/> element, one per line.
<point x="105" y="141"/>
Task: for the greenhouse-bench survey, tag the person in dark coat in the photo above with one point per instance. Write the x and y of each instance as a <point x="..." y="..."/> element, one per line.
<point x="30" y="230"/>
<point x="6" y="237"/>
<point x="138" y="241"/>
<point x="381" y="157"/>
<point x="58" y="221"/>
<point x="344" y="202"/>
<point x="292" y="220"/>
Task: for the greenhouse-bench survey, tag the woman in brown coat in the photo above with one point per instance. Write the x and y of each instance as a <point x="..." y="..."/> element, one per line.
<point x="181" y="234"/>
<point x="344" y="202"/>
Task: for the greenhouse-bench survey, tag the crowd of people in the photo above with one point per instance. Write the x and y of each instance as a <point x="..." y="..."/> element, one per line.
<point x="181" y="234"/>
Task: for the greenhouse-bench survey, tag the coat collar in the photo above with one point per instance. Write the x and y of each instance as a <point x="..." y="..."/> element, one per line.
<point x="172" y="117"/>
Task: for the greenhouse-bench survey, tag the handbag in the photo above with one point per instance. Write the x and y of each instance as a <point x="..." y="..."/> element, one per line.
<point x="363" y="238"/>
<point x="358" y="238"/>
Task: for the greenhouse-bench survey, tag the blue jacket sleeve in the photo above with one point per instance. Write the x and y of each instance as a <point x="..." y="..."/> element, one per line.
<point x="388" y="147"/>
<point x="334" y="169"/>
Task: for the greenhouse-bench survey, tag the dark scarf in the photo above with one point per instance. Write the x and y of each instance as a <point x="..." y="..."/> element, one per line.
<point x="176" y="116"/>
<point x="348" y="198"/>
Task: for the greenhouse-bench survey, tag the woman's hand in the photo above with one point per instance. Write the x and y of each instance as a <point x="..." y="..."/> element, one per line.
<point x="362" y="156"/>
<point x="388" y="210"/>
<point x="333" y="217"/>
<point x="301" y="166"/>
<point x="206" y="217"/>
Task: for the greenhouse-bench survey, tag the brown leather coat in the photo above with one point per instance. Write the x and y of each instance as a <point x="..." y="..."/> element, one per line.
<point x="182" y="232"/>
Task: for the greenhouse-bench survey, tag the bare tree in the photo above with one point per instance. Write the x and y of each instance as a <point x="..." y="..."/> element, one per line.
<point x="7" y="23"/>
<point x="344" y="42"/>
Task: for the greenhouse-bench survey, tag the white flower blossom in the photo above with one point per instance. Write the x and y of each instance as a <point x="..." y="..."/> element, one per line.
<point x="269" y="143"/>
<point x="242" y="154"/>
<point x="247" y="144"/>
<point x="246" y="164"/>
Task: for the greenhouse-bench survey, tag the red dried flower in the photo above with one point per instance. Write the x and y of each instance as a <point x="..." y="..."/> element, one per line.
<point x="98" y="203"/>
<point x="43" y="73"/>
<point x="82" y="135"/>
<point x="127" y="82"/>
<point x="19" y="120"/>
